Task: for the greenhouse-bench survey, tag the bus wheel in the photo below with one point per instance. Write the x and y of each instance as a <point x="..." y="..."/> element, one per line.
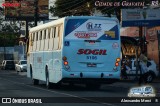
<point x="48" y="84"/>
<point x="93" y="86"/>
<point x="34" y="81"/>
<point x="149" y="77"/>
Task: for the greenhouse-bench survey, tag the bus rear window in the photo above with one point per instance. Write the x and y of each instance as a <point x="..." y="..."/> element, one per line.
<point x="91" y="29"/>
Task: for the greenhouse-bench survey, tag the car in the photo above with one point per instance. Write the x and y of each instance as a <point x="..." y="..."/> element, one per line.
<point x="21" y="66"/>
<point x="8" y="64"/>
<point x="152" y="71"/>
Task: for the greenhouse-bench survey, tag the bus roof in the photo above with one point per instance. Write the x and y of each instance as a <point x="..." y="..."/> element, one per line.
<point x="61" y="20"/>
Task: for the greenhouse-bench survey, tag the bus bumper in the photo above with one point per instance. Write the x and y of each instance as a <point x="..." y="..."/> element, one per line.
<point x="86" y="77"/>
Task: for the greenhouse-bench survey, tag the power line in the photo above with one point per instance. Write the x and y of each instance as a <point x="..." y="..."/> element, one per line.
<point x="74" y="5"/>
<point x="112" y="8"/>
<point x="72" y="1"/>
<point x="71" y="7"/>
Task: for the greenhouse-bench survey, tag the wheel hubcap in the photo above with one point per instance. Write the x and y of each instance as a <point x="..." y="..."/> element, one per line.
<point x="149" y="78"/>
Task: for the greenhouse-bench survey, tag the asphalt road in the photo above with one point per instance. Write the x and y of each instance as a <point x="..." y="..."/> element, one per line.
<point x="18" y="85"/>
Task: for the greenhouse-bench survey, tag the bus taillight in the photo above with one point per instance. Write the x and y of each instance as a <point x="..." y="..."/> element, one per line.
<point x="116" y="64"/>
<point x="65" y="62"/>
<point x="64" y="58"/>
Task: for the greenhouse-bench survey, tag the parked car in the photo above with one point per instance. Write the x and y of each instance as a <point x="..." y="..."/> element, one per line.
<point x="8" y="64"/>
<point x="21" y="66"/>
<point x="152" y="71"/>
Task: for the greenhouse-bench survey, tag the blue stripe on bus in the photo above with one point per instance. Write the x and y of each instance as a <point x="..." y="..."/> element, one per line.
<point x="73" y="24"/>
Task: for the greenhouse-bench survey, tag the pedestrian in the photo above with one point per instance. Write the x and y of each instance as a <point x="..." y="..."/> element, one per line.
<point x="143" y="72"/>
<point x="143" y="58"/>
<point x="125" y="68"/>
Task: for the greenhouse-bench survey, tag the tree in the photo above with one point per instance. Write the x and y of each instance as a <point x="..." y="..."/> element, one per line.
<point x="63" y="8"/>
<point x="71" y="7"/>
<point x="9" y="35"/>
<point x="9" y="31"/>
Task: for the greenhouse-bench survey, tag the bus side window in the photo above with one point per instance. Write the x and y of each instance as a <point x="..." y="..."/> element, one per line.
<point x="44" y="34"/>
<point x="30" y="42"/>
<point x="46" y="40"/>
<point x="36" y="36"/>
<point x="42" y="41"/>
<point x="60" y="31"/>
<point x="38" y="40"/>
<point x="56" y="39"/>
<point x="40" y="37"/>
<point x="50" y="42"/>
<point x="47" y="35"/>
<point x="33" y="36"/>
<point x="49" y="31"/>
<point x="54" y="32"/>
<point x="35" y="41"/>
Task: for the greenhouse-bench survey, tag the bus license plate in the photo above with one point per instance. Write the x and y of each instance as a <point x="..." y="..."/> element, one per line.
<point x="91" y="65"/>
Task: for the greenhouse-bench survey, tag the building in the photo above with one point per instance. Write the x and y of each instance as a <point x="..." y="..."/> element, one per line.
<point x="152" y="37"/>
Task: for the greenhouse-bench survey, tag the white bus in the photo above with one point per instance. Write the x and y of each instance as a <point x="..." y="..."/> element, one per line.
<point x="78" y="49"/>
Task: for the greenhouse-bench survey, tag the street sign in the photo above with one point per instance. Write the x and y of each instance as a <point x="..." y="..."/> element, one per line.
<point x="140" y="17"/>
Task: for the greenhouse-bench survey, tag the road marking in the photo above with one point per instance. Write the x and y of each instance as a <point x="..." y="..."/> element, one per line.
<point x="94" y="101"/>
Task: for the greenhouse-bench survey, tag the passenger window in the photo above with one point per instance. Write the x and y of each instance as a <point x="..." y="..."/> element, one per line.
<point x="47" y="31"/>
<point x="40" y="38"/>
<point x="36" y="36"/>
<point x="43" y="34"/>
<point x="51" y="32"/>
<point x="54" y="34"/>
<point x="58" y="31"/>
<point x="33" y="36"/>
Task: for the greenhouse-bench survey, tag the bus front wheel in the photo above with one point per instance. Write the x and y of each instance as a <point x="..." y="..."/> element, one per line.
<point x="48" y="84"/>
<point x="35" y="81"/>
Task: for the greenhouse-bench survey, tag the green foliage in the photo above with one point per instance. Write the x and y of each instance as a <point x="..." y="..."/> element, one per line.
<point x="8" y="39"/>
<point x="86" y="7"/>
<point x="71" y="7"/>
<point x="9" y="35"/>
<point x="9" y="31"/>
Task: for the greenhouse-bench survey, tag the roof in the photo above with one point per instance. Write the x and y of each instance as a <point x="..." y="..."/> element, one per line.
<point x="61" y="20"/>
<point x="129" y="40"/>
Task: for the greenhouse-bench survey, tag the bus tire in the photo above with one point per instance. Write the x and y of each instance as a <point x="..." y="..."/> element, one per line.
<point x="31" y="76"/>
<point x="149" y="77"/>
<point x="48" y="84"/>
<point x="34" y="81"/>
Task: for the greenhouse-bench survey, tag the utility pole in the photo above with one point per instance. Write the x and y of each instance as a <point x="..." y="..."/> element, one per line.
<point x="36" y="12"/>
<point x="27" y="33"/>
<point x="141" y="38"/>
